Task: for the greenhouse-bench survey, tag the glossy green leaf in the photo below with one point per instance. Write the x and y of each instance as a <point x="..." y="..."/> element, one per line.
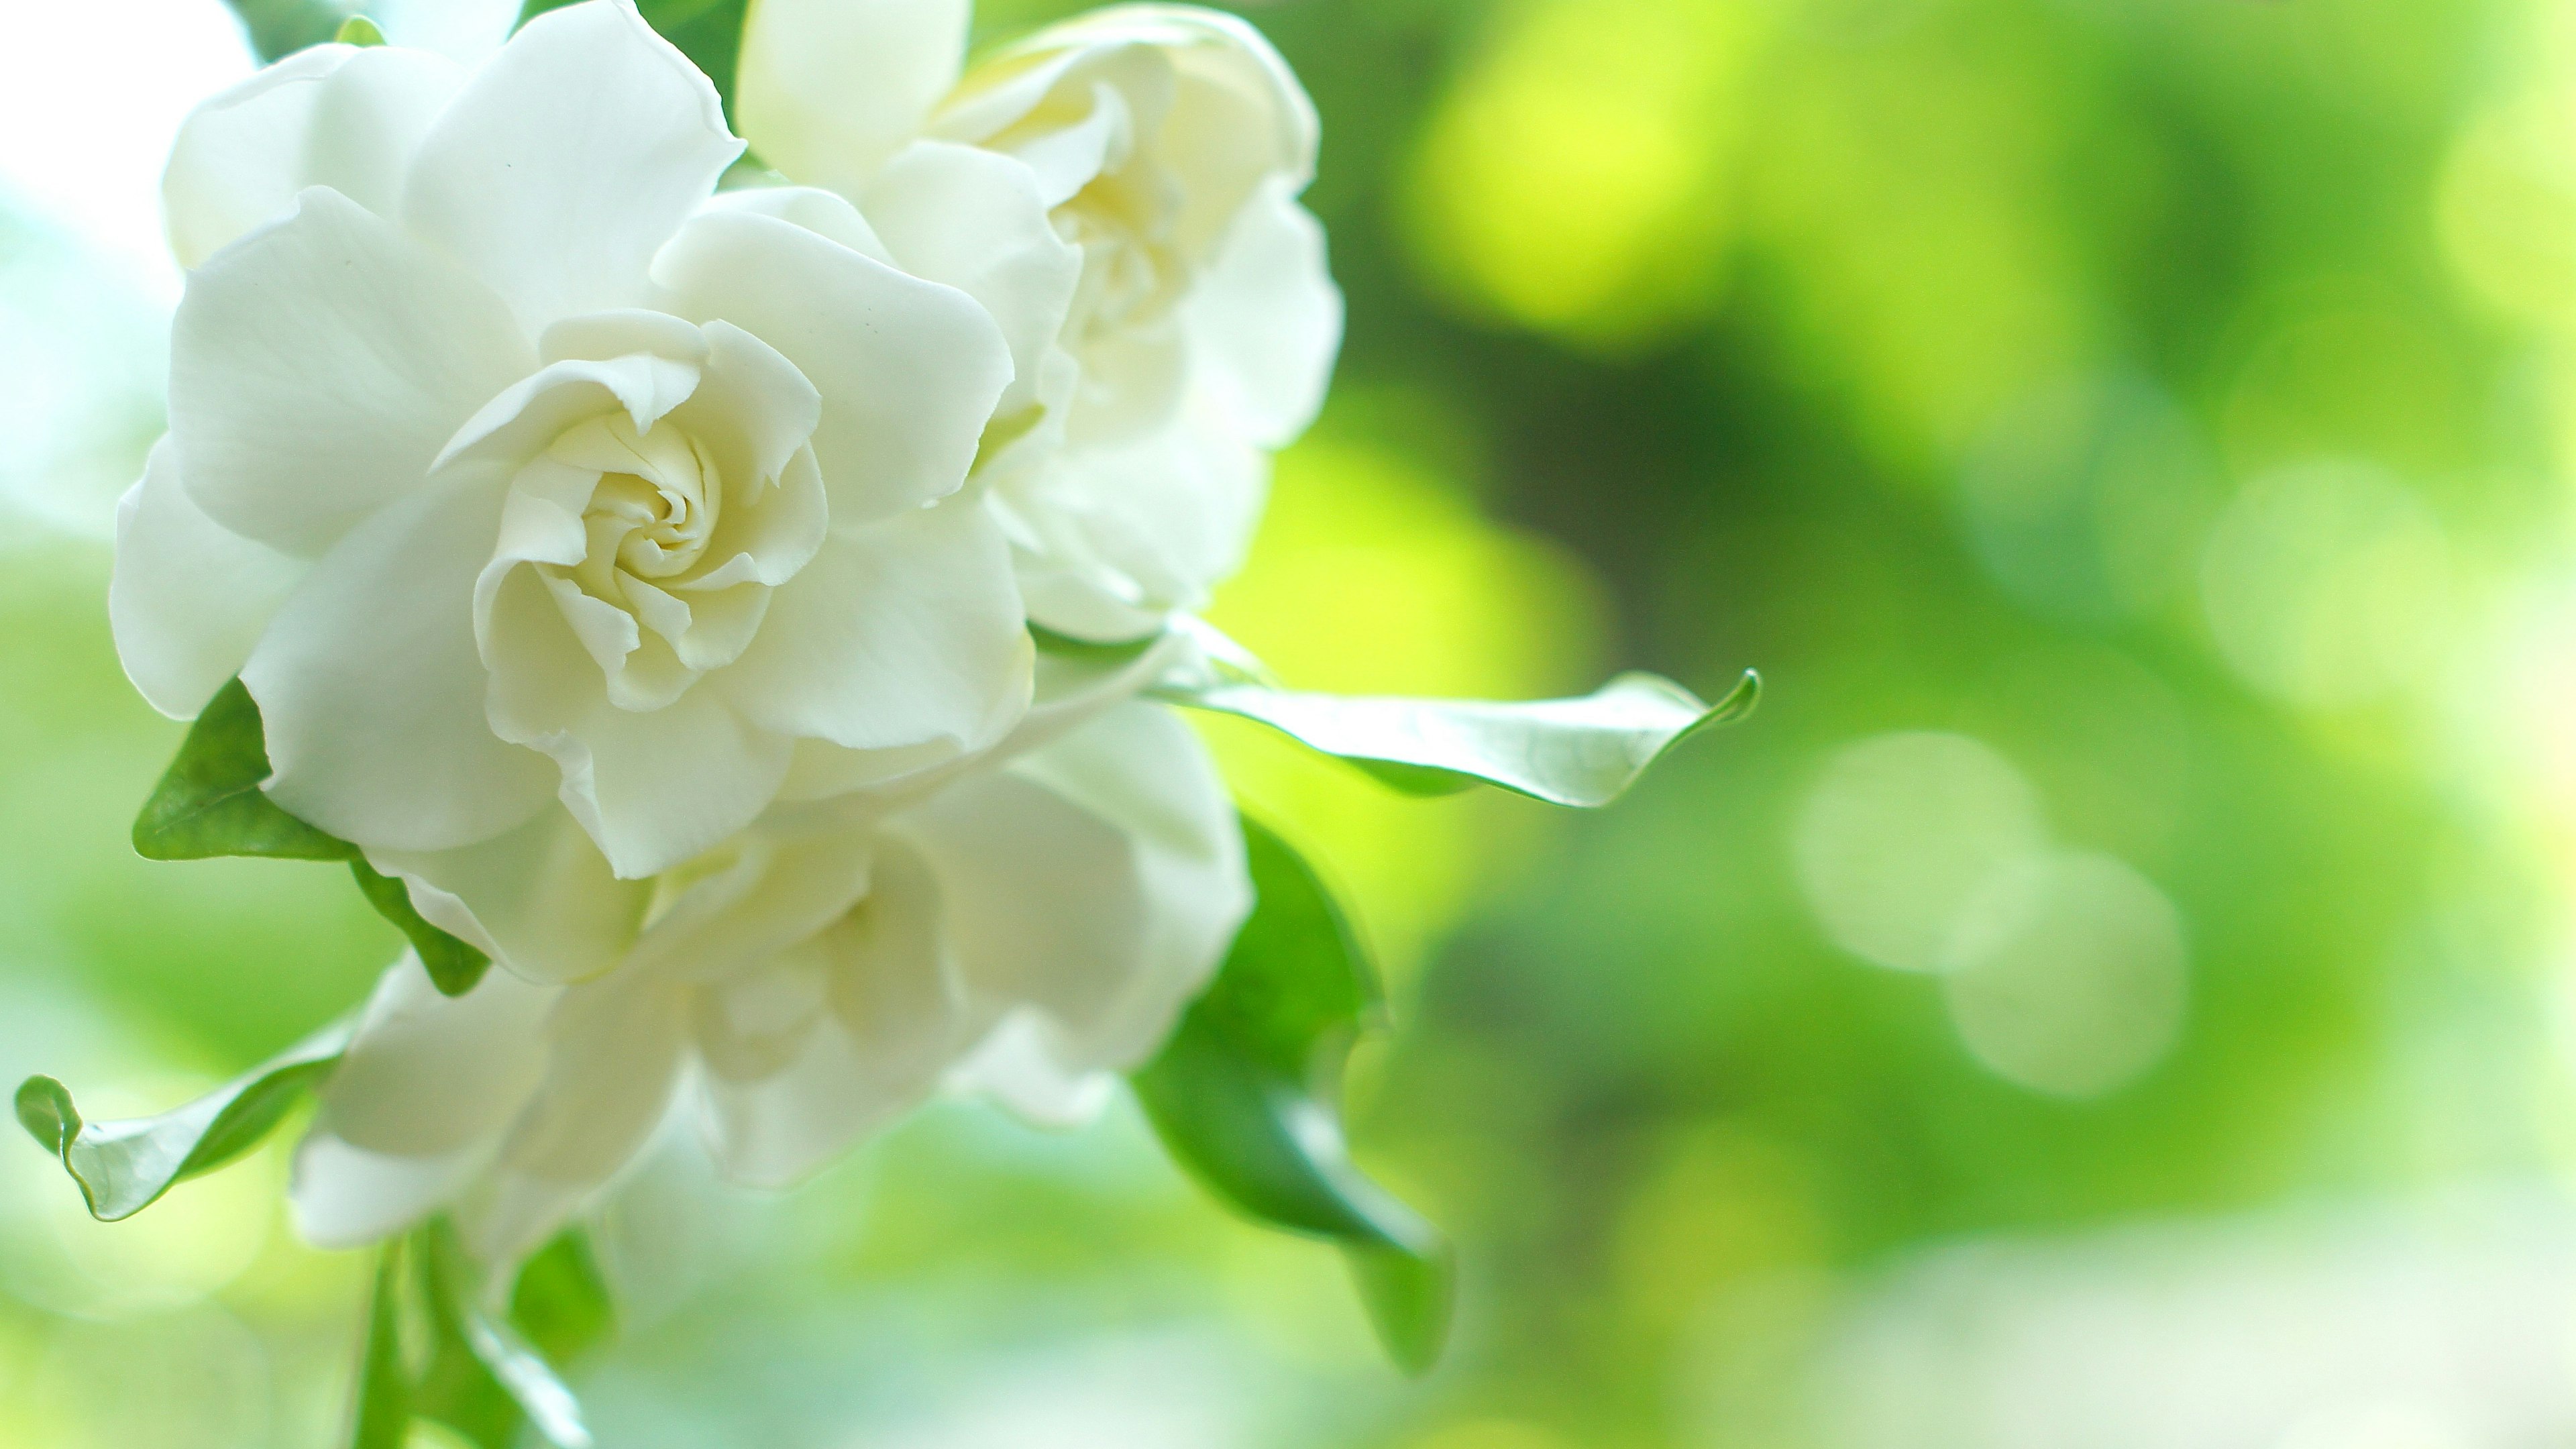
<point x="359" y="30"/>
<point x="708" y="32"/>
<point x="1234" y="1097"/>
<point x="210" y="803"/>
<point x="1582" y="752"/>
<point x="122" y="1167"/>
<point x="282" y="27"/>
<point x="453" y="966"/>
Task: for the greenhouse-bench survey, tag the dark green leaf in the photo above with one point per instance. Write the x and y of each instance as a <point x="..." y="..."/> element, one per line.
<point x="708" y="32"/>
<point x="359" y="30"/>
<point x="1235" y="1097"/>
<point x="122" y="1167"/>
<point x="210" y="802"/>
<point x="1582" y="752"/>
<point x="454" y="967"/>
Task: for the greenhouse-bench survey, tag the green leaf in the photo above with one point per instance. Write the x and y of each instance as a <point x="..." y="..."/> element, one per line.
<point x="210" y="802"/>
<point x="1234" y="1097"/>
<point x="1582" y="752"/>
<point x="483" y="1377"/>
<point x="381" y="1416"/>
<point x="708" y="32"/>
<point x="122" y="1167"/>
<point x="454" y="967"/>
<point x="465" y="1377"/>
<point x="1090" y="651"/>
<point x="359" y="30"/>
<point x="282" y="27"/>
<point x="561" y="1299"/>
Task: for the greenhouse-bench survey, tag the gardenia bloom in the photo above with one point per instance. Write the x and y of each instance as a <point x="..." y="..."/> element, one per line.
<point x="1120" y="191"/>
<point x="1025" y="930"/>
<point x="508" y="463"/>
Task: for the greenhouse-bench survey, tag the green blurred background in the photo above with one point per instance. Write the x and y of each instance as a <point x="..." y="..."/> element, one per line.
<point x="2114" y="995"/>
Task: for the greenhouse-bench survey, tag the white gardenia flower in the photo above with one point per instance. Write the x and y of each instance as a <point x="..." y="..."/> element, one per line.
<point x="1120" y="191"/>
<point x="509" y="463"/>
<point x="1025" y="931"/>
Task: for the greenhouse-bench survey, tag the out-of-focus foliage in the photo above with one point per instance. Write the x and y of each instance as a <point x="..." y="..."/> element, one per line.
<point x="2133" y="439"/>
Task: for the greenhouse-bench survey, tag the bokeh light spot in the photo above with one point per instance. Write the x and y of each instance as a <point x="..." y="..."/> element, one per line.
<point x="2327" y="584"/>
<point x="2069" y="975"/>
<point x="1903" y="834"/>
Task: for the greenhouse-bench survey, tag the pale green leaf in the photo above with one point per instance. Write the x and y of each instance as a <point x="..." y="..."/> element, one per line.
<point x="1234" y="1097"/>
<point x="1582" y="752"/>
<point x="359" y="30"/>
<point x="122" y="1167"/>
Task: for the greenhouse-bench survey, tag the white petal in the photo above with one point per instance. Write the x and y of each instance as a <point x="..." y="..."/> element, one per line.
<point x="890" y="1016"/>
<point x="316" y="368"/>
<point x="348" y="1197"/>
<point x="1266" y="320"/>
<point x="189" y="596"/>
<point x="330" y="115"/>
<point x="754" y="409"/>
<point x="1019" y="1065"/>
<point x="613" y="1064"/>
<point x="976" y="220"/>
<point x="829" y="88"/>
<point x="426" y="1074"/>
<point x="568" y="159"/>
<point x="909" y="370"/>
<point x="655" y="789"/>
<point x="1213" y="102"/>
<point x="523" y="418"/>
<point x="825" y="213"/>
<point x="898" y="634"/>
<point x="372" y="689"/>
<point x="1130" y="533"/>
<point x="776" y="891"/>
<point x="1095" y="883"/>
<point x="540" y="900"/>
